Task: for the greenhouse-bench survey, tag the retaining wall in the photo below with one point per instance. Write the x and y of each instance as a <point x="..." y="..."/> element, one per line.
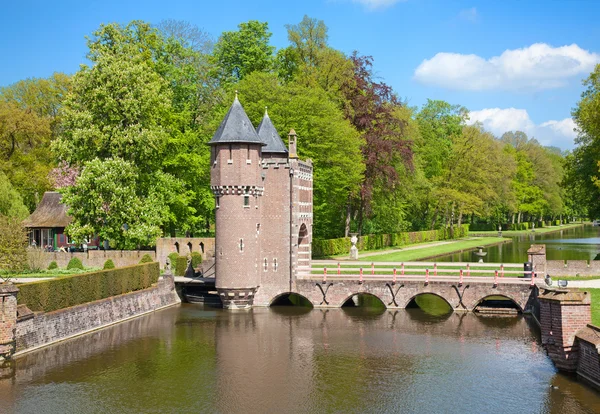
<point x="184" y="245"/>
<point x="41" y="329"/>
<point x="96" y="258"/>
<point x="573" y="268"/>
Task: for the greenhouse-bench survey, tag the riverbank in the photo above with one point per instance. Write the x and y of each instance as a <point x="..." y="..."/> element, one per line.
<point x="429" y="250"/>
<point x="543" y="230"/>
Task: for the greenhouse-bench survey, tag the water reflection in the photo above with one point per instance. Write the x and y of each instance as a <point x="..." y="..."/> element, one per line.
<point x="580" y="243"/>
<point x="187" y="359"/>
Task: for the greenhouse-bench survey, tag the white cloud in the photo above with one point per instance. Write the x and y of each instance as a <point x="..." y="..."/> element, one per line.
<point x="498" y="121"/>
<point x="377" y="4"/>
<point x="539" y="66"/>
<point x="469" y="15"/>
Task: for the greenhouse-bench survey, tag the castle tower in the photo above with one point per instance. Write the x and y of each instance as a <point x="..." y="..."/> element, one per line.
<point x="237" y="184"/>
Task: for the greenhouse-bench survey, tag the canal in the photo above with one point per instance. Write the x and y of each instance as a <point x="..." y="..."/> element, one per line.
<point x="188" y="359"/>
<point x="579" y="243"/>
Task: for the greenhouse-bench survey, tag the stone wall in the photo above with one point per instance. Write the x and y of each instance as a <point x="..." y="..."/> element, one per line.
<point x="96" y="258"/>
<point x="557" y="268"/>
<point x="41" y="329"/>
<point x="184" y="245"/>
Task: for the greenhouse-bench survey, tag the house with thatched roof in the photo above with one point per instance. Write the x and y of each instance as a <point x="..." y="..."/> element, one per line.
<point x="46" y="225"/>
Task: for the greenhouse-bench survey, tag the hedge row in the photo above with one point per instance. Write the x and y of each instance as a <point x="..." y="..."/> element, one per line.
<point x="331" y="247"/>
<point x="74" y="290"/>
<point x="515" y="226"/>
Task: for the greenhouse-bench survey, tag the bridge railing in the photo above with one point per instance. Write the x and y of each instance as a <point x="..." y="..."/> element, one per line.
<point x="364" y="270"/>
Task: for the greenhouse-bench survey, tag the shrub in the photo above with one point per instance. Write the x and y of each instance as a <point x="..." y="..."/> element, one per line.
<point x="180" y="265"/>
<point x="146" y="259"/>
<point x="52" y="265"/>
<point x="75" y="263"/>
<point x="50" y="295"/>
<point x="173" y="258"/>
<point x="109" y="264"/>
<point x="196" y="259"/>
<point x="13" y="244"/>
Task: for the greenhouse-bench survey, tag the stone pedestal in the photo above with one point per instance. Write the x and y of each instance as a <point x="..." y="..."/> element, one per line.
<point x="8" y="320"/>
<point x="537" y="257"/>
<point x="563" y="312"/>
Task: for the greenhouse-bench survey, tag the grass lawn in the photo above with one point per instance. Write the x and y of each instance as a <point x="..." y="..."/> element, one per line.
<point x="420" y="254"/>
<point x="542" y="230"/>
<point x="595" y="305"/>
<point x="51" y="273"/>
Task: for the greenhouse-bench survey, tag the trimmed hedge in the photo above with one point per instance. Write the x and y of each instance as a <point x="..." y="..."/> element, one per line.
<point x="52" y="265"/>
<point x="51" y="295"/>
<point x="173" y="258"/>
<point x="331" y="247"/>
<point x="146" y="259"/>
<point x="196" y="259"/>
<point x="109" y="264"/>
<point x="75" y="263"/>
<point x="180" y="266"/>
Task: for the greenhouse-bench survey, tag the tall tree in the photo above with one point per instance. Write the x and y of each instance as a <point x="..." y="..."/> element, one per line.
<point x="238" y="53"/>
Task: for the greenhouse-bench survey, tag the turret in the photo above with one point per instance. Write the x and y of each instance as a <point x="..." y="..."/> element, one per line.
<point x="274" y="146"/>
<point x="237" y="184"/>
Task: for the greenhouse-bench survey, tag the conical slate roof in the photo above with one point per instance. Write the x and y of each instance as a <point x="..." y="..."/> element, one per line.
<point x="268" y="134"/>
<point x="236" y="127"/>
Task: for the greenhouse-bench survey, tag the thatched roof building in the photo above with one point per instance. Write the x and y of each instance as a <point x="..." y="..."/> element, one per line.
<point x="50" y="213"/>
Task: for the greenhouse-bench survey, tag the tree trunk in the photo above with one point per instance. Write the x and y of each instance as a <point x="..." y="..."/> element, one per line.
<point x="348" y="216"/>
<point x="519" y="218"/>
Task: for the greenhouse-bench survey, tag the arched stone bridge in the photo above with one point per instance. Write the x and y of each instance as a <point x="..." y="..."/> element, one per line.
<point x="334" y="292"/>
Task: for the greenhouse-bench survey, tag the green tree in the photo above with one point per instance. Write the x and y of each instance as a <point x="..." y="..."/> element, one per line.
<point x="13" y="246"/>
<point x="11" y="203"/>
<point x="238" y="53"/>
<point x="584" y="163"/>
<point x="323" y="136"/>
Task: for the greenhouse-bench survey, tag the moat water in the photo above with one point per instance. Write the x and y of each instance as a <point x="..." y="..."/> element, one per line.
<point x="579" y="243"/>
<point x="188" y="359"/>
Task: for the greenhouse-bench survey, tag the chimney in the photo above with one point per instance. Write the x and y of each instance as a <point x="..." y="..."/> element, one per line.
<point x="292" y="144"/>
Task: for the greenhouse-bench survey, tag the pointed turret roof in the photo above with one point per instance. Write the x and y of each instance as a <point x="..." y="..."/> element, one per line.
<point x="268" y="134"/>
<point x="236" y="127"/>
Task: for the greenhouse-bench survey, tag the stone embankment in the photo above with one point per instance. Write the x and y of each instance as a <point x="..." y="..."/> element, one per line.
<point x="22" y="330"/>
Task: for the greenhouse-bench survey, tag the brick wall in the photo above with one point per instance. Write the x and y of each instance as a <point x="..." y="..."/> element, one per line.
<point x="8" y="320"/>
<point x="557" y="268"/>
<point x="588" y="366"/>
<point x="45" y="328"/>
<point x="562" y="314"/>
<point x="96" y="258"/>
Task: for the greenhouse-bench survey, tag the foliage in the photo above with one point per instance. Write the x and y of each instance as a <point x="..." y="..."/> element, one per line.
<point x="332" y="247"/>
<point x="53" y="265"/>
<point x="180" y="265"/>
<point x="36" y="258"/>
<point x="146" y="259"/>
<point x="244" y="51"/>
<point x="13" y="243"/>
<point x="173" y="258"/>
<point x="109" y="264"/>
<point x="11" y="203"/>
<point x="74" y="290"/>
<point x="75" y="263"/>
<point x="196" y="260"/>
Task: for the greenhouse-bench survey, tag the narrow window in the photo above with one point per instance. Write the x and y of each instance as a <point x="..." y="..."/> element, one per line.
<point x="275" y="265"/>
<point x="230" y="160"/>
<point x="248" y="152"/>
<point x="258" y="227"/>
<point x="241" y="245"/>
<point x="246" y="200"/>
<point x="266" y="265"/>
<point x="217" y="198"/>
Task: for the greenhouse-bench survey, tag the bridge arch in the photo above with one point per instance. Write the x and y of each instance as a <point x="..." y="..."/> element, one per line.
<point x="290" y="299"/>
<point x="367" y="299"/>
<point x="413" y="301"/>
<point x="492" y="301"/>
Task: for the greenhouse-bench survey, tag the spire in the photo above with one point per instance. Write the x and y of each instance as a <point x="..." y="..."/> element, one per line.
<point x="236" y="127"/>
<point x="269" y="136"/>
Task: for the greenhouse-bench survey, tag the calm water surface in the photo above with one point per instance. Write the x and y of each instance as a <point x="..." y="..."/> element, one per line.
<point x="580" y="243"/>
<point x="187" y="359"/>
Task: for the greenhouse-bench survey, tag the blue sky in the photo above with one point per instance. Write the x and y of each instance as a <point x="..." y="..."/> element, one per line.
<point x="514" y="64"/>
